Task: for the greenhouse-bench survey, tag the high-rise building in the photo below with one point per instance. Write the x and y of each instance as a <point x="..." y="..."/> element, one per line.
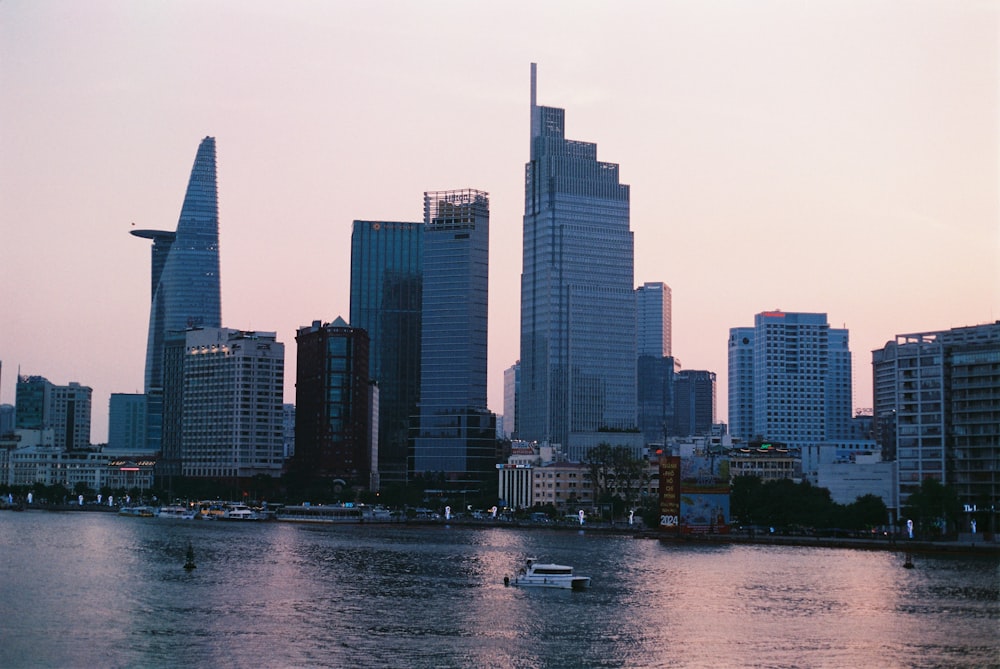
<point x="578" y="323"/>
<point x="185" y="276"/>
<point x="655" y="366"/>
<point x="694" y="403"/>
<point x="222" y="401"/>
<point x="456" y="434"/>
<point x="652" y="304"/>
<point x="937" y="400"/>
<point x="42" y="405"/>
<point x="790" y="380"/>
<point x="127" y="422"/>
<point x="332" y="405"/>
<point x="511" y="381"/>
<point x="386" y="289"/>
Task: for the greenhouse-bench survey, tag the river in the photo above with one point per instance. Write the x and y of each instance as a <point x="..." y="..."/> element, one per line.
<point x="98" y="590"/>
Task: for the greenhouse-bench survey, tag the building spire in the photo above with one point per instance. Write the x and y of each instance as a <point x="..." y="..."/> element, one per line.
<point x="535" y="115"/>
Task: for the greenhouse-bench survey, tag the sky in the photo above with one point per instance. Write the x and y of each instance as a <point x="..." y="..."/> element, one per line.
<point x="819" y="156"/>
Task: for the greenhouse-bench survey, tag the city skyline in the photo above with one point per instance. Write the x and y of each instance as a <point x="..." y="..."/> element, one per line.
<point x="825" y="157"/>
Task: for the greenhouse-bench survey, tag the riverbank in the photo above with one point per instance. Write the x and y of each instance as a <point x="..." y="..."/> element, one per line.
<point x="980" y="547"/>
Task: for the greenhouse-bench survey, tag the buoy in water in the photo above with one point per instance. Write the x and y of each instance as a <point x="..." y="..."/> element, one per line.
<point x="189" y="564"/>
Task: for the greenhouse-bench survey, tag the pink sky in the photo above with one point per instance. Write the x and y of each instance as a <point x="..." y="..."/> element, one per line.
<point x="832" y="156"/>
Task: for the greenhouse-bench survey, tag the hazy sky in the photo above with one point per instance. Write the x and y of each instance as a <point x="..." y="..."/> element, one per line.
<point x="831" y="156"/>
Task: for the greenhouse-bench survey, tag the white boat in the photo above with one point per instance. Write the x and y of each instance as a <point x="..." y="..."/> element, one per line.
<point x="327" y="514"/>
<point x="239" y="512"/>
<point x="178" y="512"/>
<point x="544" y="575"/>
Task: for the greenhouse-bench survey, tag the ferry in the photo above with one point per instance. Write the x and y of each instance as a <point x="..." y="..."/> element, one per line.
<point x="338" y="513"/>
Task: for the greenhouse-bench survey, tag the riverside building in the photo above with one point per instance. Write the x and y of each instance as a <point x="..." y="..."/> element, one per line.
<point x="790" y="381"/>
<point x="456" y="432"/>
<point x="185" y="291"/>
<point x="386" y="289"/>
<point x="937" y="410"/>
<point x="223" y="391"/>
<point x="578" y="322"/>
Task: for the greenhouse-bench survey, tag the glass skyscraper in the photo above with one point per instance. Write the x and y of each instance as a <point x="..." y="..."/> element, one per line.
<point x="456" y="434"/>
<point x="386" y="299"/>
<point x="578" y="320"/>
<point x="185" y="265"/>
<point x="185" y="288"/>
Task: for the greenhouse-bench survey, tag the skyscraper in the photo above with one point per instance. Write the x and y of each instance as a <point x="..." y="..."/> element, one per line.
<point x="332" y="407"/>
<point x="655" y="365"/>
<point x="652" y="302"/>
<point x="386" y="298"/>
<point x="694" y="403"/>
<point x="185" y="276"/>
<point x="456" y="434"/>
<point x="578" y="323"/>
<point x="790" y="376"/>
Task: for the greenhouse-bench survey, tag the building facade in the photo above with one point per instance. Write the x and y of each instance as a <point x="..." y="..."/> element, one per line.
<point x="694" y="403"/>
<point x="66" y="410"/>
<point x="185" y="289"/>
<point x="223" y="392"/>
<point x="937" y="403"/>
<point x="456" y="432"/>
<point x="653" y="320"/>
<point x="386" y="301"/>
<point x="127" y="422"/>
<point x="332" y="409"/>
<point x="511" y="382"/>
<point x="576" y="288"/>
<point x="790" y="380"/>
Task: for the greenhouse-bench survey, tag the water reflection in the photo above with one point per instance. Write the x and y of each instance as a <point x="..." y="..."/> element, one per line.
<point x="91" y="589"/>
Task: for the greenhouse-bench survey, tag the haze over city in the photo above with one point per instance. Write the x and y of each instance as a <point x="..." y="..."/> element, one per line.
<point x="836" y="157"/>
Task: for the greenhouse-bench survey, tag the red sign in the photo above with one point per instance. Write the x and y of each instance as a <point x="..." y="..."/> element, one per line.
<point x="670" y="492"/>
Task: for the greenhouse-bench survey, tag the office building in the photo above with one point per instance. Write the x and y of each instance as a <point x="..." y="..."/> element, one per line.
<point x="456" y="434"/>
<point x="42" y="405"/>
<point x="127" y="422"/>
<point x="694" y="403"/>
<point x="790" y="380"/>
<point x="386" y="290"/>
<point x="937" y="399"/>
<point x="578" y="322"/>
<point x="653" y="324"/>
<point x="222" y="400"/>
<point x="333" y="438"/>
<point x="511" y="381"/>
<point x="185" y="290"/>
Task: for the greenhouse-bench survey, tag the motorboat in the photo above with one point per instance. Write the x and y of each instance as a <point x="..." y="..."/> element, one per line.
<point x="176" y="512"/>
<point x="545" y="575"/>
<point x="239" y="512"/>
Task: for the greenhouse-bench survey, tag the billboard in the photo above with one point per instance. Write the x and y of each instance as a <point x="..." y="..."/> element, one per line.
<point x="670" y="492"/>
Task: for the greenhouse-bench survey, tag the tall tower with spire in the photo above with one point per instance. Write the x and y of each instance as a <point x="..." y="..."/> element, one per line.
<point x="578" y="318"/>
<point x="185" y="288"/>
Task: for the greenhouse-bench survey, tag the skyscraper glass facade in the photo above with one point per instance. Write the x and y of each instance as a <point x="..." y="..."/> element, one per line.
<point x="456" y="435"/>
<point x="185" y="264"/>
<point x="386" y="299"/>
<point x="578" y="322"/>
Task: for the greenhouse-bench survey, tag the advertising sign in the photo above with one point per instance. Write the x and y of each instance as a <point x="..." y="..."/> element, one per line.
<point x="670" y="492"/>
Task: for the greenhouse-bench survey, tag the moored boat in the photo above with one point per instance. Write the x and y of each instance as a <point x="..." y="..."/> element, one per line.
<point x="177" y="512"/>
<point x="546" y="575"/>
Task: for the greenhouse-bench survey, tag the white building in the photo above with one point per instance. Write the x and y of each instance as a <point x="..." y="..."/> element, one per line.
<point x="232" y="404"/>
